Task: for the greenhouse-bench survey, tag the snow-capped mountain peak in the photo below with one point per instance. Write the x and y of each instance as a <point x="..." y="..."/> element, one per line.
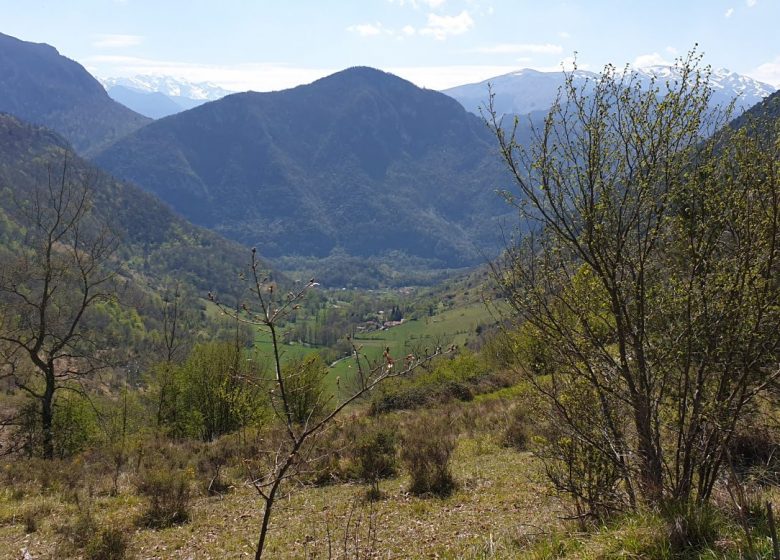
<point x="170" y="86"/>
<point x="527" y="90"/>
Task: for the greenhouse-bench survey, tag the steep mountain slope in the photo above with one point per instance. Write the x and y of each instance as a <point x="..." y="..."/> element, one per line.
<point x="155" y="243"/>
<point x="360" y="161"/>
<point x="160" y="96"/>
<point x="764" y="114"/>
<point x="528" y="90"/>
<point x="39" y="85"/>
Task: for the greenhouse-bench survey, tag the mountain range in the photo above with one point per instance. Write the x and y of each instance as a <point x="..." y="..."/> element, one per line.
<point x="160" y="96"/>
<point x="527" y="91"/>
<point x="358" y="167"/>
<point x="360" y="161"/>
<point x="41" y="86"/>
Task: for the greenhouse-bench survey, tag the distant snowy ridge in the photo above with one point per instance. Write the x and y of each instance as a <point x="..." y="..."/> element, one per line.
<point x="528" y="90"/>
<point x="170" y="86"/>
<point x="160" y="96"/>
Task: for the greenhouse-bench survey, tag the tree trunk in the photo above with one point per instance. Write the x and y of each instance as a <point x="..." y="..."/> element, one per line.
<point x="47" y="416"/>
<point x="650" y="475"/>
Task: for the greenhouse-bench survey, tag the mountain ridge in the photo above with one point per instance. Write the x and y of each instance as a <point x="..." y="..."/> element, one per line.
<point x="527" y="90"/>
<point x="41" y="86"/>
<point x="156" y="243"/>
<point x="360" y="160"/>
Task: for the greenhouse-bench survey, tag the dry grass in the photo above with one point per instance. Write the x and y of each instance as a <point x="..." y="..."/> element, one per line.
<point x="497" y="501"/>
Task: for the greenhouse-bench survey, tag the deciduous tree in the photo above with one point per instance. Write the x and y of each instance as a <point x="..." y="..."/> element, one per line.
<point x="648" y="274"/>
<point x="59" y="270"/>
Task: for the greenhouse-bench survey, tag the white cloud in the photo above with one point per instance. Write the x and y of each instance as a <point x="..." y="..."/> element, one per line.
<point x="769" y="72"/>
<point x="262" y="76"/>
<point x="376" y="29"/>
<point x="520" y="48"/>
<point x="751" y="3"/>
<point x="441" y="27"/>
<point x="564" y="34"/>
<point x="271" y="76"/>
<point x="416" y="4"/>
<point x="366" y="29"/>
<point x="116" y="41"/>
<point x="671" y="50"/>
<point x="652" y="59"/>
<point x="729" y="13"/>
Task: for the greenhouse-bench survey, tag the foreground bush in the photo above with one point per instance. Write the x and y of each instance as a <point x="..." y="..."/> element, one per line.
<point x="375" y="456"/>
<point x="165" y="481"/>
<point x="110" y="543"/>
<point x="427" y="447"/>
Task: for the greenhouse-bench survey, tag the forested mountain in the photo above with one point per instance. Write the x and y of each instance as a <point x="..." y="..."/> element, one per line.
<point x="155" y="243"/>
<point x="39" y="85"/>
<point x="766" y="113"/>
<point x="360" y="161"/>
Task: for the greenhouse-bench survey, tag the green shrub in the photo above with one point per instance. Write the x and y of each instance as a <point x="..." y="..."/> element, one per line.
<point x="516" y="433"/>
<point x="110" y="543"/>
<point x="375" y="456"/>
<point x="74" y="426"/>
<point x="691" y="527"/>
<point x="76" y="533"/>
<point x="169" y="495"/>
<point x="427" y="447"/>
<point x="164" y="480"/>
<point x="303" y="387"/>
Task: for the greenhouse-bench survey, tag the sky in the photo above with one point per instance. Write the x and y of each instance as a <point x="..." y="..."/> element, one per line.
<point x="265" y="45"/>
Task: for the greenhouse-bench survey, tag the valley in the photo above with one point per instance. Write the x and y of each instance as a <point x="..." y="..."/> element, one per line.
<point x="358" y="318"/>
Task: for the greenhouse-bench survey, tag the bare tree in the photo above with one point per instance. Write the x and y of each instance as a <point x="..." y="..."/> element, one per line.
<point x="646" y="280"/>
<point x="293" y="452"/>
<point x="57" y="274"/>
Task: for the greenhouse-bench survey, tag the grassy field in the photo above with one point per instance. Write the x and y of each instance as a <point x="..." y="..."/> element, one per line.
<point x="500" y="502"/>
<point x="502" y="509"/>
<point x="453" y="326"/>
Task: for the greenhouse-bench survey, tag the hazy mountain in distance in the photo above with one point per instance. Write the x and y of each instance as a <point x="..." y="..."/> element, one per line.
<point x="154" y="104"/>
<point x="360" y="161"/>
<point x="527" y="90"/>
<point x="160" y="96"/>
<point x="39" y="85"/>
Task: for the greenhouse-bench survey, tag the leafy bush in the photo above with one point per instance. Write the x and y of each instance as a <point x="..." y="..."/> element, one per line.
<point x="76" y="533"/>
<point x="169" y="495"/>
<point x="303" y="387"/>
<point x="571" y="447"/>
<point x="457" y="379"/>
<point x="165" y="481"/>
<point x="427" y="446"/>
<point x="110" y="543"/>
<point x="375" y="455"/>
<point x="215" y="392"/>
<point x="516" y="433"/>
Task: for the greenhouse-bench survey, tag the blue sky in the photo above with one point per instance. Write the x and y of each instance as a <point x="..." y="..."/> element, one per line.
<point x="273" y="44"/>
